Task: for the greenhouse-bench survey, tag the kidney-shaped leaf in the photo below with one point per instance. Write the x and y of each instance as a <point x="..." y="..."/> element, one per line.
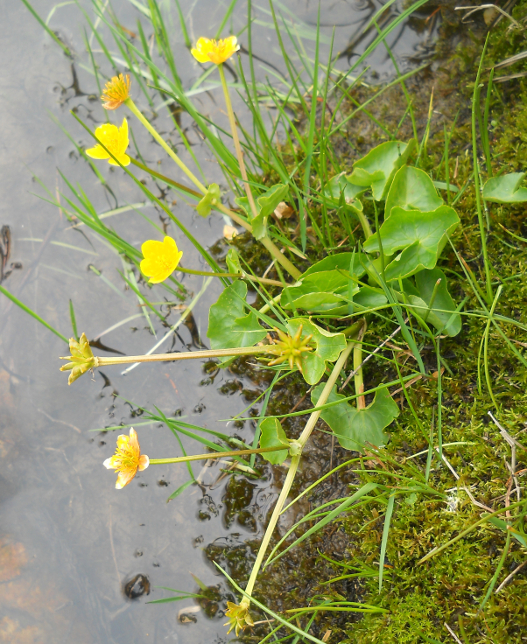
<point x="422" y="235"/>
<point x="380" y="165"/>
<point x="505" y="189"/>
<point x="356" y="428"/>
<point x="273" y="435"/>
<point x="328" y="347"/>
<point x="229" y="325"/>
<point x="412" y="189"/>
<point x="442" y="313"/>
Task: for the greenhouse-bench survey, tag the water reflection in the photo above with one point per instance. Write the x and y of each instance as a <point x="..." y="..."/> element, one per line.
<point x="72" y="548"/>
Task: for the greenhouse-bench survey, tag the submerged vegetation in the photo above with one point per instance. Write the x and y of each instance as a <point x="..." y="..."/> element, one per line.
<point x="381" y="234"/>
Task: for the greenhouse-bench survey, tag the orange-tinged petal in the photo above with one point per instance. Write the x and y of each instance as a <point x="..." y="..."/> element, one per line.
<point x="123" y="478"/>
<point x="144" y="462"/>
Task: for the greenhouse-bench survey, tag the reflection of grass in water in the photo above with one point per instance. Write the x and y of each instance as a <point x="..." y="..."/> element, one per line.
<point x="320" y="136"/>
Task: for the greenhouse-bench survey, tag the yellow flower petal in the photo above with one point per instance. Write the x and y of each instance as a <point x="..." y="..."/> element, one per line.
<point x="127" y="459"/>
<point x="115" y="140"/>
<point x="160" y="259"/>
<point x="215" y="51"/>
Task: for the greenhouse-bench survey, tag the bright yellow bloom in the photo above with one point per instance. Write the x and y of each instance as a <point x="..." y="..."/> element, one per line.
<point x="116" y="92"/>
<point x="115" y="139"/>
<point x="127" y="459"/>
<point x="215" y="51"/>
<point x="160" y="259"/>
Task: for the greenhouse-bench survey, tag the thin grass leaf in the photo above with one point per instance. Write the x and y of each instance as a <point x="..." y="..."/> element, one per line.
<point x="49" y="31"/>
<point x="385" y="534"/>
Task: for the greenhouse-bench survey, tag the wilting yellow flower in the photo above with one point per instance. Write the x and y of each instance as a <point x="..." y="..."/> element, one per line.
<point x="160" y="259"/>
<point x="215" y="51"/>
<point x="239" y="617"/>
<point x="127" y="459"/>
<point x="115" y="139"/>
<point x="290" y="348"/>
<point x="116" y="92"/>
<point x="82" y="358"/>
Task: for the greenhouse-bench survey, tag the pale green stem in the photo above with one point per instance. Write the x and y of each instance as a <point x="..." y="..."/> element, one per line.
<point x="271" y="247"/>
<point x="295" y="460"/>
<point x="359" y="381"/>
<point x="204" y="457"/>
<point x="236" y="141"/>
<point x="132" y="107"/>
<point x="243" y="276"/>
<point x="191" y="355"/>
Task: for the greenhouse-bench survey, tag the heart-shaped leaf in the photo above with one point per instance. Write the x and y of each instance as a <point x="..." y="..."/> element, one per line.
<point x="229" y="325"/>
<point x="442" y="312"/>
<point x="422" y="235"/>
<point x="412" y="189"/>
<point x="328" y="347"/>
<point x="505" y="189"/>
<point x="273" y="435"/>
<point x="265" y="205"/>
<point x="211" y="197"/>
<point x="380" y="165"/>
<point x="356" y="428"/>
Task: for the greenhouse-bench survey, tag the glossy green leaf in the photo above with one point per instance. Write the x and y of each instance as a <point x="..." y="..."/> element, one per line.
<point x="420" y="235"/>
<point x="505" y="189"/>
<point x="229" y="325"/>
<point x="441" y="314"/>
<point x="328" y="347"/>
<point x="273" y="435"/>
<point x="265" y="205"/>
<point x="340" y="261"/>
<point x="211" y="197"/>
<point x="380" y="165"/>
<point x="356" y="428"/>
<point x="412" y="189"/>
<point x="370" y="298"/>
<point x="340" y="192"/>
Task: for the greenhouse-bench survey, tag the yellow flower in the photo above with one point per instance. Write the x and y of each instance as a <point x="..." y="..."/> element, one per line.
<point x="160" y="259"/>
<point x="114" y="139"/>
<point x="239" y="617"/>
<point x="82" y="358"/>
<point x="116" y="92"/>
<point x="215" y="51"/>
<point x="127" y="459"/>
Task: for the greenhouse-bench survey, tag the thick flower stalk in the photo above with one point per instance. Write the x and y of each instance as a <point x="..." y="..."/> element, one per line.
<point x="82" y="358"/>
<point x="215" y="51"/>
<point x="116" y="91"/>
<point x="115" y="140"/>
<point x="160" y="259"/>
<point x="127" y="460"/>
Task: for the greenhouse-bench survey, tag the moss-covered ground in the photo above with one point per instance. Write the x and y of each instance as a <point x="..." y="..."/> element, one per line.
<point x="475" y="590"/>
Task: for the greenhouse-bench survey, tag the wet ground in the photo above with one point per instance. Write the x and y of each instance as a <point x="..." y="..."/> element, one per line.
<point x="72" y="547"/>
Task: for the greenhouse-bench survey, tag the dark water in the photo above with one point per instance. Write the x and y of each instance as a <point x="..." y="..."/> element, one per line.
<point x="69" y="542"/>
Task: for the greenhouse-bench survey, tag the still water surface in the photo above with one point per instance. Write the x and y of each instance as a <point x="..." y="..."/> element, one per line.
<point x="69" y="541"/>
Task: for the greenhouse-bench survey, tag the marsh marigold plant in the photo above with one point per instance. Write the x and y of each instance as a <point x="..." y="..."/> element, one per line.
<point x="215" y="51"/>
<point x="115" y="139"/>
<point x="160" y="259"/>
<point x="116" y="92"/>
<point x="127" y="460"/>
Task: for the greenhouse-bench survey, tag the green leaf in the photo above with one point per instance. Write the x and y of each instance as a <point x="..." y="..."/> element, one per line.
<point x="355" y="428"/>
<point x="386" y="158"/>
<point x="325" y="285"/>
<point x="328" y="348"/>
<point x="273" y="435"/>
<point x="229" y="326"/>
<point x="422" y="235"/>
<point x="233" y="261"/>
<point x="370" y="298"/>
<point x="412" y="189"/>
<point x="339" y="191"/>
<point x="505" y="189"/>
<point x="503" y="525"/>
<point x="210" y="199"/>
<point x="442" y="313"/>
<point x="265" y="205"/>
